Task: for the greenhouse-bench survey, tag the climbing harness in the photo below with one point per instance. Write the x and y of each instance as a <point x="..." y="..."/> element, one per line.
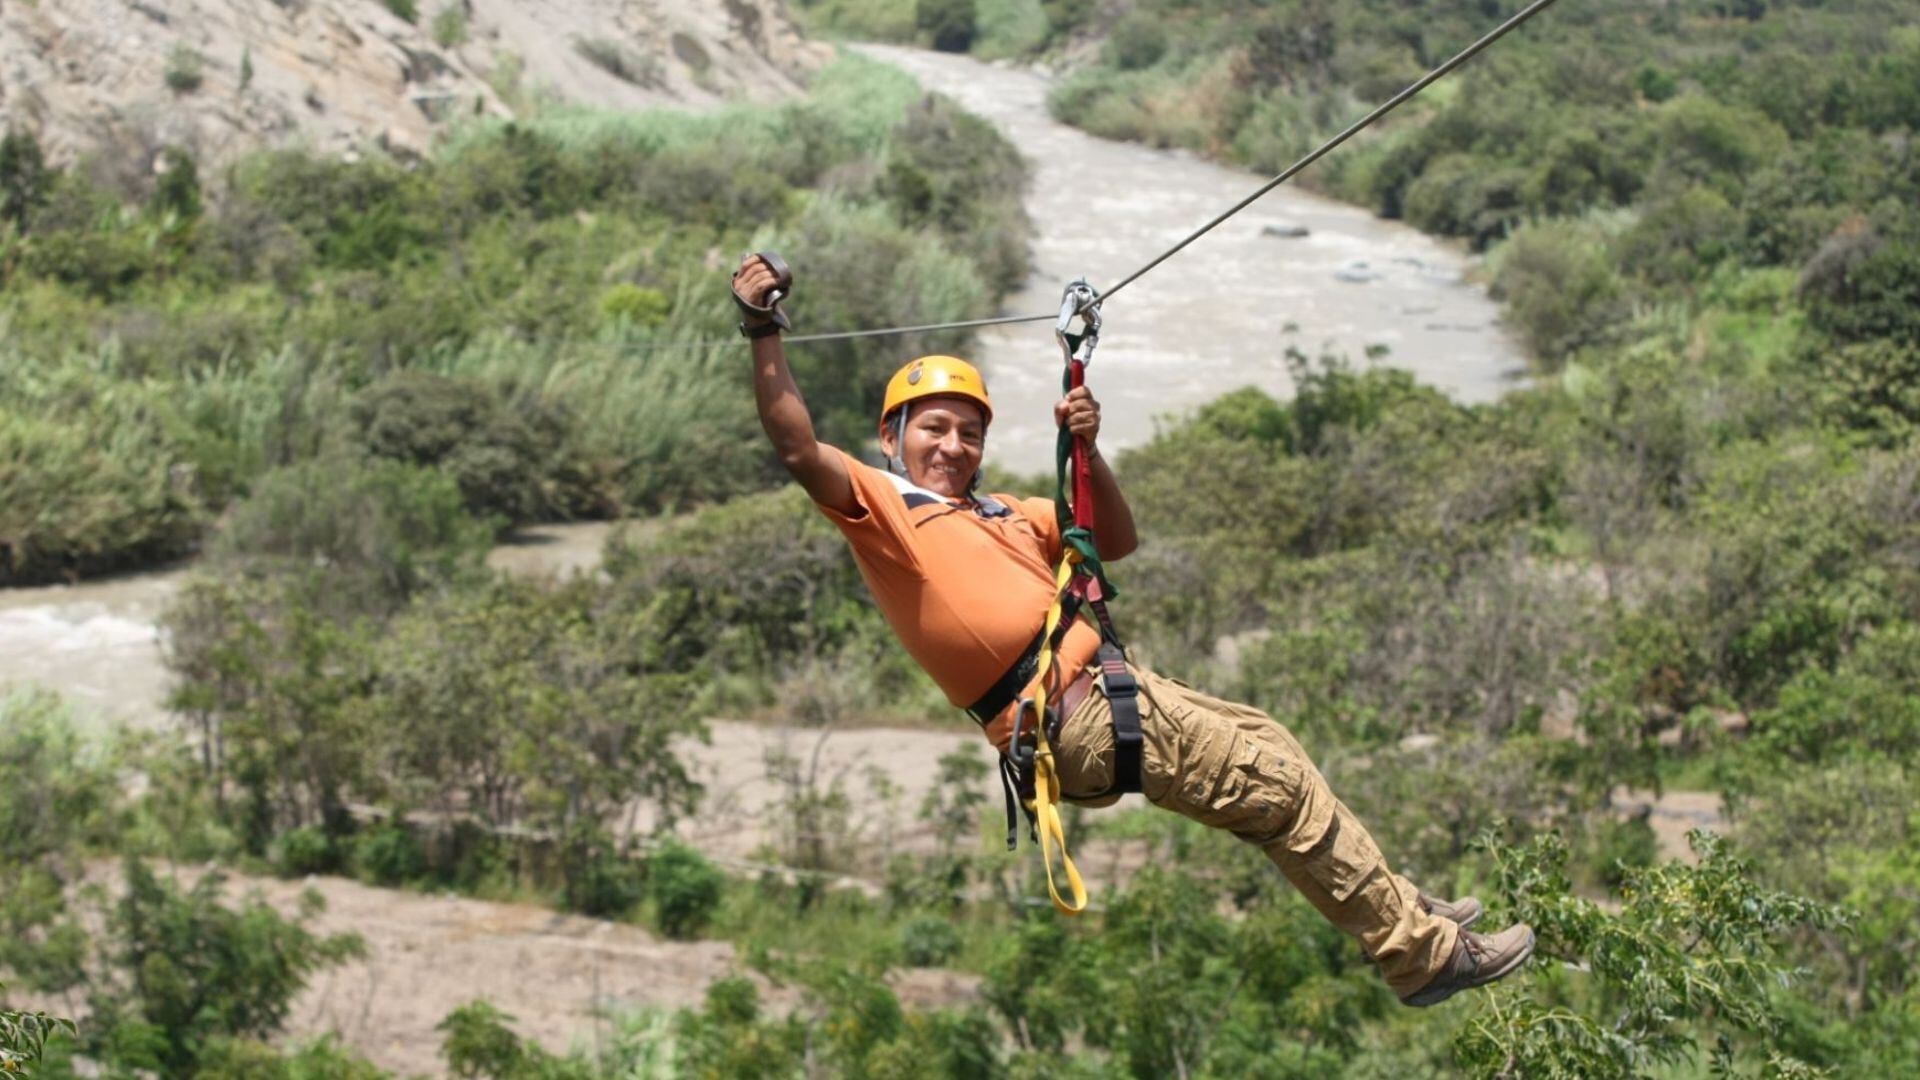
<point x="1027" y="770"/>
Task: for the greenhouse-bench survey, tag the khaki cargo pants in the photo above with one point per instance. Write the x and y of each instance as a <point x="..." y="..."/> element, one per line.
<point x="1233" y="767"/>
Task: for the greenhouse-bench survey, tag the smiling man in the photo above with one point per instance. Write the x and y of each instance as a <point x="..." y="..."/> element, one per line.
<point x="965" y="580"/>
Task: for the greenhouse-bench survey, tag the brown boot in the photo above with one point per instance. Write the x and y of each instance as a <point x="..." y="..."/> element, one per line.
<point x="1462" y="913"/>
<point x="1477" y="960"/>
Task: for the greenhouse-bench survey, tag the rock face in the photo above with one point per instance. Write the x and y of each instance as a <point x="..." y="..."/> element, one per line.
<point x="221" y="77"/>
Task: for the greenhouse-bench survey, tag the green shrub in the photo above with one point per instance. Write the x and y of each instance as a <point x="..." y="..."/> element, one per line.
<point x="1138" y="41"/>
<point x="177" y="191"/>
<point x="24" y="177"/>
<point x="189" y="970"/>
<point x="635" y="305"/>
<point x="460" y="428"/>
<point x="390" y="854"/>
<point x="399" y="526"/>
<point x="1560" y="287"/>
<point x="683" y="888"/>
<point x="302" y="851"/>
<point x="949" y="24"/>
<point x="600" y="880"/>
<point x="928" y="941"/>
<point x="186" y="69"/>
<point x="407" y="10"/>
<point x="450" y="26"/>
<point x="90" y="493"/>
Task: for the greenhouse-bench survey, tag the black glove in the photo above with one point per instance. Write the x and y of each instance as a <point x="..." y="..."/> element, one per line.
<point x="759" y="321"/>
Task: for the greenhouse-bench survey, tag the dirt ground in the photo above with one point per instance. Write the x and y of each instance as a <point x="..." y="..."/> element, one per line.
<point x="558" y="975"/>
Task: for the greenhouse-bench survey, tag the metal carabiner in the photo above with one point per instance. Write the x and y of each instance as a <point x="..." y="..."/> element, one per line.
<point x="1078" y="300"/>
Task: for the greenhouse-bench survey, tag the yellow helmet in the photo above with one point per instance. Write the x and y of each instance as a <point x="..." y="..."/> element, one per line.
<point x="930" y="376"/>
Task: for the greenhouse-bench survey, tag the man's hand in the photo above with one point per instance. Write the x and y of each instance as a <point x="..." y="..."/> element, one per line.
<point x="754" y="290"/>
<point x="754" y="280"/>
<point x="1080" y="413"/>
<point x="1115" y="538"/>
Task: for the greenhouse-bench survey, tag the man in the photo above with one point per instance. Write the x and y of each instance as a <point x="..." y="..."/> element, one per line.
<point x="965" y="581"/>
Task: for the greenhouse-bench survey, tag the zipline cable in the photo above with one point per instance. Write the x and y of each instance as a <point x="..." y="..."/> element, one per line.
<point x="1321" y="151"/>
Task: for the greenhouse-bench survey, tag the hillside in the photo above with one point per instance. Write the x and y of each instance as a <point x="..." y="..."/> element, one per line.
<point x="220" y="77"/>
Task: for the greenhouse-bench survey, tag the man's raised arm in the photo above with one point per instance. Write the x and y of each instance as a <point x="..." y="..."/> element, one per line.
<point x="783" y="412"/>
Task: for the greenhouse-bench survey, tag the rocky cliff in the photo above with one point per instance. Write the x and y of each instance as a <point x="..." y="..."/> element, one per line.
<point x="224" y="76"/>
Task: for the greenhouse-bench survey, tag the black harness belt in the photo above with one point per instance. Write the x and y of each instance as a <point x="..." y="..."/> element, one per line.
<point x="1117" y="685"/>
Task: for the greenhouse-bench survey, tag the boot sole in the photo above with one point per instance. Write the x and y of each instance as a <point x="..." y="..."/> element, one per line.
<point x="1434" y="995"/>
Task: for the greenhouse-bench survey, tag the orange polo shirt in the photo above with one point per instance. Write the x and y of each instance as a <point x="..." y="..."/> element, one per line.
<point x="965" y="585"/>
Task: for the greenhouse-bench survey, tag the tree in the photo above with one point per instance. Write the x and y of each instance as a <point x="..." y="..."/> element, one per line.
<point x="1690" y="964"/>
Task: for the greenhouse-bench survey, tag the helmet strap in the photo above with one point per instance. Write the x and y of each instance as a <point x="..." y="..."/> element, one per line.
<point x="897" y="461"/>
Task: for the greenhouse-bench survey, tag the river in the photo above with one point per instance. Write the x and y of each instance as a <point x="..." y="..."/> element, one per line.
<point x="1219" y="315"/>
<point x="1214" y="318"/>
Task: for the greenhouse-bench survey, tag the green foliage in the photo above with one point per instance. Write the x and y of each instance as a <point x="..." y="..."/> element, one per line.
<point x="600" y="879"/>
<point x="302" y="851"/>
<point x="928" y="941"/>
<point x="535" y="283"/>
<point x="461" y="428"/>
<point x="635" y="304"/>
<point x="683" y="888"/>
<point x="405" y="10"/>
<point x="194" y="970"/>
<point x="390" y="854"/>
<point x="450" y="26"/>
<point x="186" y="69"/>
<point x="948" y="24"/>
<point x="23" y="1038"/>
<point x="397" y="525"/>
<point x="1561" y="292"/>
<point x="1691" y="962"/>
<point x="23" y="177"/>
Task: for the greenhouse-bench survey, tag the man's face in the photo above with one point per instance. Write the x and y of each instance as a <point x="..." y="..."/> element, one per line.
<point x="946" y="438"/>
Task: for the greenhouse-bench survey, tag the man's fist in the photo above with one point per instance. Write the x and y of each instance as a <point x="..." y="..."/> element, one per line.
<point x="1080" y="414"/>
<point x="762" y="281"/>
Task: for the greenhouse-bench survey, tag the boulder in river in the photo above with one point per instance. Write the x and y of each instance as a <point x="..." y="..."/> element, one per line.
<point x="1357" y="272"/>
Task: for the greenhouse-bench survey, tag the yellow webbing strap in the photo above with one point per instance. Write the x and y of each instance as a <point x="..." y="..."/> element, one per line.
<point x="1045" y="805"/>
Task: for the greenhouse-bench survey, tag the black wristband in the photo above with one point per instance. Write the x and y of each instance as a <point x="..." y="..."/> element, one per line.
<point x="760" y="331"/>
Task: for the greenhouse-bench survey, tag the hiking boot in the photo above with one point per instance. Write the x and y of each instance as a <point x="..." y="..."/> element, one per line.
<point x="1461" y="913"/>
<point x="1477" y="960"/>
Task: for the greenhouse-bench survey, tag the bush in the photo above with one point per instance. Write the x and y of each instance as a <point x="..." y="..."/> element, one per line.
<point x="24" y="177"/>
<point x="195" y="970"/>
<point x="93" y="492"/>
<point x="928" y="941"/>
<point x="635" y="305"/>
<point x="1560" y="287"/>
<point x="949" y="24"/>
<point x="186" y="69"/>
<point x="406" y="10"/>
<point x="684" y="889"/>
<point x="460" y="428"/>
<point x="394" y="526"/>
<point x="450" y="26"/>
<point x="302" y="851"/>
<point x="600" y="880"/>
<point x="390" y="854"/>
<point x="1138" y="41"/>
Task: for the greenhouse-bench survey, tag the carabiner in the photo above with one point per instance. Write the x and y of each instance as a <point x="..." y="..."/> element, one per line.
<point x="1078" y="300"/>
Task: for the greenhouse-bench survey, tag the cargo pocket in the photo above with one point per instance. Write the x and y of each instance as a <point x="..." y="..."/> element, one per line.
<point x="1341" y="860"/>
